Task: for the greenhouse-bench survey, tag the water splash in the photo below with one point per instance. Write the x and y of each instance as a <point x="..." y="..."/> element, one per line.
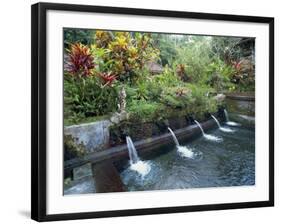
<point x="207" y="136"/>
<point x="213" y="138"/>
<point x="183" y="150"/>
<point x="220" y="127"/>
<point x="142" y="167"/>
<point x="227" y="129"/>
<point x="187" y="152"/>
<point x="228" y="122"/>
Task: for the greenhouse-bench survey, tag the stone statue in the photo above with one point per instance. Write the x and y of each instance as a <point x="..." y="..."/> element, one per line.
<point x="121" y="114"/>
<point x="122" y="100"/>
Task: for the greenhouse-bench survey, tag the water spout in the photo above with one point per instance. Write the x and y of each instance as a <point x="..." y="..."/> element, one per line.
<point x="132" y="151"/>
<point x="220" y="127"/>
<point x="228" y="122"/>
<point x="207" y="136"/>
<point x="226" y="115"/>
<point x="174" y="137"/>
<point x="143" y="168"/>
<point x="218" y="123"/>
<point x="183" y="150"/>
<point x="198" y="124"/>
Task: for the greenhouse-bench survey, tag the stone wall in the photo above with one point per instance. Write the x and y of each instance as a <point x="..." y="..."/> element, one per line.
<point x="241" y="104"/>
<point x="241" y="109"/>
<point x="95" y="135"/>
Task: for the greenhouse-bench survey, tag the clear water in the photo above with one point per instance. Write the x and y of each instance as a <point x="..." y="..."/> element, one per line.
<point x="230" y="162"/>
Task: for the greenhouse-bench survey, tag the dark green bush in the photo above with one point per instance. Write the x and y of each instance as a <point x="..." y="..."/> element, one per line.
<point x="141" y="110"/>
<point x="84" y="97"/>
<point x="72" y="149"/>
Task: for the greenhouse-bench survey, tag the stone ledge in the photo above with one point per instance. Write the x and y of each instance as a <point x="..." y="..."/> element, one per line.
<point x="241" y="97"/>
<point x="152" y="143"/>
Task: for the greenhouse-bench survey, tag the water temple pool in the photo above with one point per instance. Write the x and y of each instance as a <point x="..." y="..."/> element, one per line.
<point x="221" y="157"/>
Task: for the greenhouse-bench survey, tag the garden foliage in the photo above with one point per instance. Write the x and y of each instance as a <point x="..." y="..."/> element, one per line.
<point x="195" y="68"/>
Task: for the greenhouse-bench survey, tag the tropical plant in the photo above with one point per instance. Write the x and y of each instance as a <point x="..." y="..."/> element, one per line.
<point x="243" y="75"/>
<point x="176" y="97"/>
<point x="123" y="54"/>
<point x="87" y="97"/>
<point x="195" y="69"/>
<point x="80" y="62"/>
<point x="218" y="75"/>
<point x="142" y="110"/>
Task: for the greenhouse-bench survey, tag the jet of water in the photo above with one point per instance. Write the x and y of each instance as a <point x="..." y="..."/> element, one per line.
<point x="132" y="151"/>
<point x="183" y="150"/>
<point x="174" y="137"/>
<point x="207" y="136"/>
<point x="228" y="122"/>
<point x="226" y="115"/>
<point x="198" y="124"/>
<point x="143" y="168"/>
<point x="218" y="123"/>
<point x="220" y="127"/>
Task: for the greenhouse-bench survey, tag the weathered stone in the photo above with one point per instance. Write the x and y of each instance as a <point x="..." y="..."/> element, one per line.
<point x="244" y="120"/>
<point x="82" y="171"/>
<point x="241" y="104"/>
<point x="81" y="186"/>
<point x="177" y="122"/>
<point x="116" y="118"/>
<point x="94" y="136"/>
<point x="219" y="97"/>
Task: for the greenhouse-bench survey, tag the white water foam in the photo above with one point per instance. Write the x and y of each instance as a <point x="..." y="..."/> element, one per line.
<point x="185" y="152"/>
<point x="207" y="136"/>
<point x="143" y="168"/>
<point x="227" y="129"/>
<point x="212" y="138"/>
<point x="232" y="123"/>
<point x="220" y="127"/>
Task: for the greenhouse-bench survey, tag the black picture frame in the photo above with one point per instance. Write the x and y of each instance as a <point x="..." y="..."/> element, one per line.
<point x="39" y="122"/>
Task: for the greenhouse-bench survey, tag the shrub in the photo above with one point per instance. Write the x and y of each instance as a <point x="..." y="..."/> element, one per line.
<point x="143" y="111"/>
<point x="80" y="62"/>
<point x="167" y="79"/>
<point x="123" y="54"/>
<point x="176" y="97"/>
<point x="202" y="100"/>
<point x="87" y="98"/>
<point x="181" y="72"/>
<point x="218" y="76"/>
<point x="243" y="75"/>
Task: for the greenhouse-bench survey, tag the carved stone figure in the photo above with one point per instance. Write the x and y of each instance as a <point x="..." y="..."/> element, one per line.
<point x="121" y="114"/>
<point x="122" y="100"/>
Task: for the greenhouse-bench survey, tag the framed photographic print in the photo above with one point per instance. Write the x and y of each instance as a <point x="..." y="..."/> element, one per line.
<point x="139" y="111"/>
